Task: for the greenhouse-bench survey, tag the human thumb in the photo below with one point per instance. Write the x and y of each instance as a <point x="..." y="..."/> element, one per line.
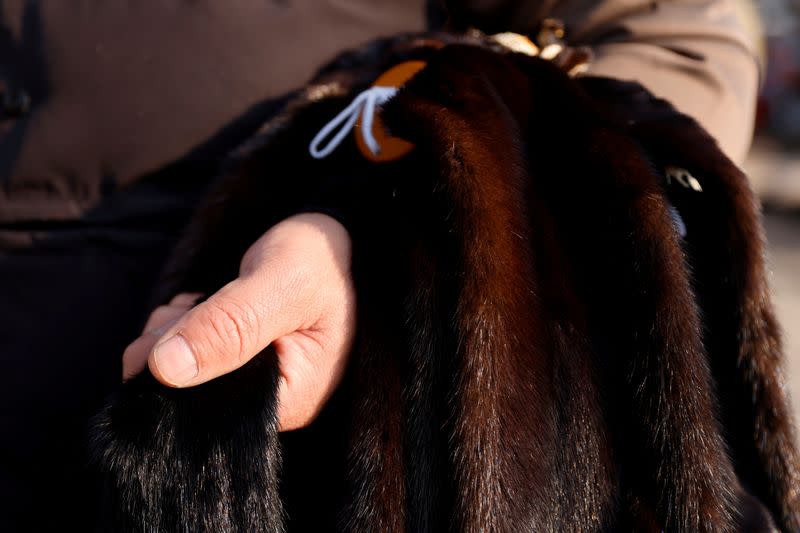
<point x="227" y="330"/>
<point x="286" y="283"/>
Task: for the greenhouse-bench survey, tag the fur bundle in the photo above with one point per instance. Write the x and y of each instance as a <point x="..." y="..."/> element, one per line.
<point x="537" y="349"/>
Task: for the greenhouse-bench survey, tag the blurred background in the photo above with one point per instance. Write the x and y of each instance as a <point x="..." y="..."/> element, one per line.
<point x="774" y="167"/>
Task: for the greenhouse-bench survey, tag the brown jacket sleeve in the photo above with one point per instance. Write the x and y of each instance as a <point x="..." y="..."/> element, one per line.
<point x="696" y="54"/>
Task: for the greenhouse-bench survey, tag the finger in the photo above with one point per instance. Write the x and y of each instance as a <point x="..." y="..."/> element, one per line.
<point x="161" y="316"/>
<point x="134" y="359"/>
<point x="227" y="330"/>
<point x="186" y="299"/>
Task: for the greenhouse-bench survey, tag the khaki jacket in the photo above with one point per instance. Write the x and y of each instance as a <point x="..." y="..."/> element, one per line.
<point x="698" y="54"/>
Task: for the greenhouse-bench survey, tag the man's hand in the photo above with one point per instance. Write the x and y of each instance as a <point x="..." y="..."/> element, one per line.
<point x="294" y="291"/>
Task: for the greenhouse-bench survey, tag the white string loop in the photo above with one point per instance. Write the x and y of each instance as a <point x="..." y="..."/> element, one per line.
<point x="365" y="103"/>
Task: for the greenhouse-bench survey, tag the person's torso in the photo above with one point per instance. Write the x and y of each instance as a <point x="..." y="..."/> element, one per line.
<point x="99" y="94"/>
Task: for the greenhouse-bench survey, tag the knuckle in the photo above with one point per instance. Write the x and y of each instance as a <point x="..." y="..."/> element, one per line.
<point x="231" y="325"/>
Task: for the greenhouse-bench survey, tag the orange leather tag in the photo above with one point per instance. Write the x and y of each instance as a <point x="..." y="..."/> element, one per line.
<point x="392" y="148"/>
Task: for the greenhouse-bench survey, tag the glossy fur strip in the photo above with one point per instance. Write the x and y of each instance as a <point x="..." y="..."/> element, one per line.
<point x="537" y="347"/>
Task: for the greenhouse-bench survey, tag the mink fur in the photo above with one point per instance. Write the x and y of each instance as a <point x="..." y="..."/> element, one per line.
<point x="537" y="348"/>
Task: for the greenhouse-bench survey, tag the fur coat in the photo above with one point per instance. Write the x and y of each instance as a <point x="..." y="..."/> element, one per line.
<point x="564" y="323"/>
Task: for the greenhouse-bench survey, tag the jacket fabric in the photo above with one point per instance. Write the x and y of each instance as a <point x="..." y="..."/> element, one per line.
<point x="115" y="115"/>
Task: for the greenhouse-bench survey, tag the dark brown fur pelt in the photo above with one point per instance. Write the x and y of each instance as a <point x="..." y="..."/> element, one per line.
<point x="537" y="348"/>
